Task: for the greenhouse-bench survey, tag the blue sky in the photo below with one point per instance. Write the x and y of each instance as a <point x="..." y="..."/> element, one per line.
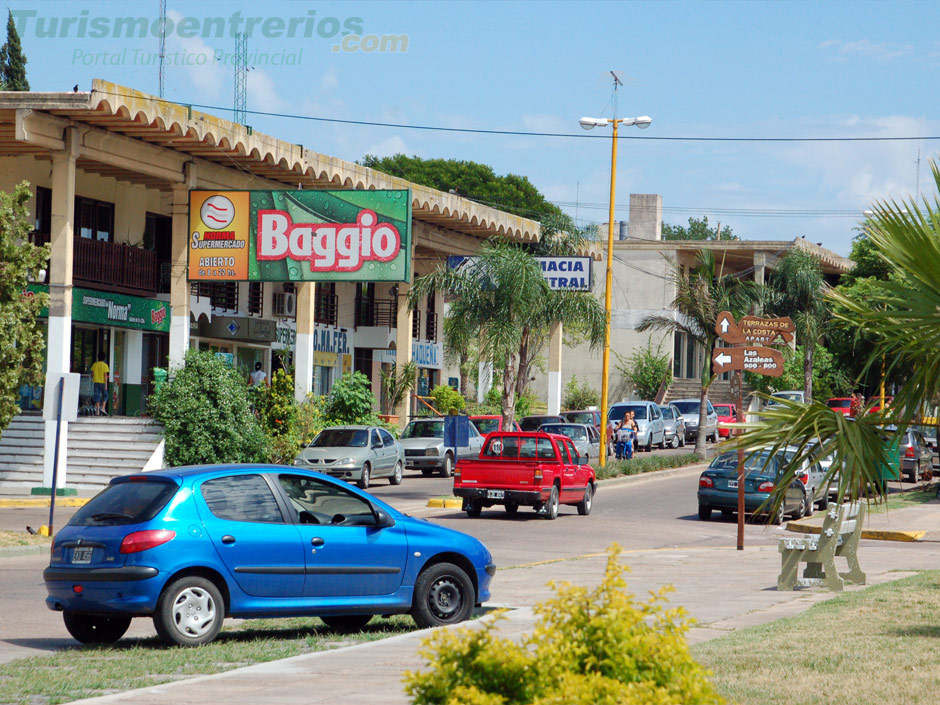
<point x="700" y="69"/>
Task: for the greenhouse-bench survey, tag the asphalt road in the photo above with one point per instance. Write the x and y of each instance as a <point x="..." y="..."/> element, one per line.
<point x="644" y="513"/>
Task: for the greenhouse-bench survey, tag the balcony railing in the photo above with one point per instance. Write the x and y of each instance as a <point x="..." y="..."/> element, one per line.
<point x="376" y="312"/>
<point x="326" y="309"/>
<point x="220" y="294"/>
<point x="110" y="266"/>
<point x="416" y="324"/>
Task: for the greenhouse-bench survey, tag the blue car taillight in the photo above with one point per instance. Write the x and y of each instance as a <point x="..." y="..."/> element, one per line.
<point x="143" y="540"/>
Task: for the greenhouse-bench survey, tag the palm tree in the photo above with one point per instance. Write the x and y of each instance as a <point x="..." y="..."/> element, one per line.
<point x="797" y="290"/>
<point x="900" y="317"/>
<point x="502" y="306"/>
<point x="701" y="295"/>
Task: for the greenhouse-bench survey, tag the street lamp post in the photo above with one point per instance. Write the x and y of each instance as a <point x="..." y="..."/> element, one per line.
<point x="589" y="123"/>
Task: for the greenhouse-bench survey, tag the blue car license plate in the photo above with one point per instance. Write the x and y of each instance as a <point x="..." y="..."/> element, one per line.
<point x="732" y="484"/>
<point x="82" y="554"/>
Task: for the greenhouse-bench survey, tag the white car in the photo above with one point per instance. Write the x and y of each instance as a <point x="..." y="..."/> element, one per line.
<point x="649" y="421"/>
<point x="689" y="408"/>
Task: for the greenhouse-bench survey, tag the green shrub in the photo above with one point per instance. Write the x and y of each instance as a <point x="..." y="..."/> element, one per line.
<point x="646" y="370"/>
<point x="206" y="415"/>
<point x="351" y="400"/>
<point x="311" y="417"/>
<point x="277" y="415"/>
<point x="639" y="465"/>
<point x="580" y="397"/>
<point x="447" y="399"/>
<point x="589" y="647"/>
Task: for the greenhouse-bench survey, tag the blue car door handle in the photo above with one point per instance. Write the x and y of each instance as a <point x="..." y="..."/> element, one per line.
<point x="228" y="538"/>
<point x="317" y="541"/>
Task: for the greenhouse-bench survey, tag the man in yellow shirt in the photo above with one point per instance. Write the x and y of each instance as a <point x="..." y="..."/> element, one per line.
<point x="99" y="376"/>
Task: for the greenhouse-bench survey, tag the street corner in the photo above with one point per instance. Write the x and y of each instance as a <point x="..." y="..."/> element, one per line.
<point x="445" y="503"/>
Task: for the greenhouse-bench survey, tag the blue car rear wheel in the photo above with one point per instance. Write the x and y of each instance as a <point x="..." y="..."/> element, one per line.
<point x="189" y="612"/>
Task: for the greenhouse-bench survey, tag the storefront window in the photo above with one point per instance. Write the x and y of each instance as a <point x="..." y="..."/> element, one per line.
<point x="322" y="380"/>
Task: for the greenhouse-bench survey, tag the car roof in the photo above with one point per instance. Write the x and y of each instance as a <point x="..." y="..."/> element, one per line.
<point x="351" y="427"/>
<point x="193" y="470"/>
<point x="486" y="416"/>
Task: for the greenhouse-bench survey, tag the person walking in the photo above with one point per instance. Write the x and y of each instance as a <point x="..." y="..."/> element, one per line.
<point x="258" y="377"/>
<point x="632" y="428"/>
<point x="99" y="377"/>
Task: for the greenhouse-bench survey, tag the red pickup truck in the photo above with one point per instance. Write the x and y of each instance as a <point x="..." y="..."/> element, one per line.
<point x="533" y="469"/>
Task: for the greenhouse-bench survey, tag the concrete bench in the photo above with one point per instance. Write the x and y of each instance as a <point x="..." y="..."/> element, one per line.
<point x="841" y="530"/>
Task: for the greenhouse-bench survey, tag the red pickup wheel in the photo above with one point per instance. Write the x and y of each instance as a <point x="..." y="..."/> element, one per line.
<point x="551" y="506"/>
<point x="584" y="506"/>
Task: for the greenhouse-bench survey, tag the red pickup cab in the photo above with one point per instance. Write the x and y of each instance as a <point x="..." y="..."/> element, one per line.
<point x="532" y="469"/>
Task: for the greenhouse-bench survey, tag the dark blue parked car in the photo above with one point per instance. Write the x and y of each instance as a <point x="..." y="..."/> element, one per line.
<point x="190" y="546"/>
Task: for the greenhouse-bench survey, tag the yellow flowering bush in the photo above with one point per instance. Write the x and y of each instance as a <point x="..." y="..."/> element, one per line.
<point x="599" y="646"/>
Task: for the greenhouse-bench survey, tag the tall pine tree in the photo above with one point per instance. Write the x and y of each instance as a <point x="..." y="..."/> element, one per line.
<point x="12" y="60"/>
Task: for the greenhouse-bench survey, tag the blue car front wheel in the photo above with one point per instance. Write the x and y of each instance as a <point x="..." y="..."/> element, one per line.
<point x="443" y="595"/>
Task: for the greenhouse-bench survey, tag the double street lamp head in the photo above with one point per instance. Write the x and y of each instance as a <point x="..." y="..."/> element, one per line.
<point x="589" y="123"/>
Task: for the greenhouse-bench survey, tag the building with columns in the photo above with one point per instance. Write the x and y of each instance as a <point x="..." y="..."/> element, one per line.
<point x="111" y="172"/>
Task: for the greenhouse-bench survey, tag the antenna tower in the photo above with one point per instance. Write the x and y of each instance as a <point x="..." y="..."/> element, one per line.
<point x="162" y="42"/>
<point x="241" y="78"/>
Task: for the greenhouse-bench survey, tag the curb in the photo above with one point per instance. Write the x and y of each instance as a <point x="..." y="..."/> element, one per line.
<point x="44" y="502"/>
<point x="874" y="534"/>
<point x="454" y="503"/>
<point x="14" y="551"/>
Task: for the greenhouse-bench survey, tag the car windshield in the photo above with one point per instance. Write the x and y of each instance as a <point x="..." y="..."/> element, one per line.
<point x="686" y="407"/>
<point x="424" y="429"/>
<point x="341" y="438"/>
<point x="130" y="502"/>
<point x="839" y="403"/>
<point x="789" y="396"/>
<point x="532" y="423"/>
<point x="579" y="416"/>
<point x="485" y="426"/>
<point x="723" y="410"/>
<point x="574" y="432"/>
<point x="729" y="461"/>
<point x="617" y="413"/>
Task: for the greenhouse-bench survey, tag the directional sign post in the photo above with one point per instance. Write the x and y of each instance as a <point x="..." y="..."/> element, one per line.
<point x="749" y="336"/>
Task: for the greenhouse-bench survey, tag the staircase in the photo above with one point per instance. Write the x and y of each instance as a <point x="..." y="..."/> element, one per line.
<point x="718" y="393"/>
<point x="98" y="449"/>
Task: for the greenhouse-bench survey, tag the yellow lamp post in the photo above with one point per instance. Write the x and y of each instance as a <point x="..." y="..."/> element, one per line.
<point x="589" y="123"/>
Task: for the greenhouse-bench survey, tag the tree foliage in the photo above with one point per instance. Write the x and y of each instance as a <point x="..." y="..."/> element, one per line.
<point x="698" y="229"/>
<point x="206" y="414"/>
<point x="501" y="305"/>
<point x="599" y="646"/>
<point x="829" y="378"/>
<point x="899" y="316"/>
<point x="21" y="338"/>
<point x="478" y="182"/>
<point x="12" y="60"/>
<point x="646" y="369"/>
<point x="701" y="294"/>
<point x="797" y="290"/>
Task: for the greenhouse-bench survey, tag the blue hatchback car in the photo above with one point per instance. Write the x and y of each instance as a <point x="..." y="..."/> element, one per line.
<point x="190" y="546"/>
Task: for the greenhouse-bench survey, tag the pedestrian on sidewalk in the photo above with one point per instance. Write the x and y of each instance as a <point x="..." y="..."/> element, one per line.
<point x="857" y="407"/>
<point x="99" y="376"/>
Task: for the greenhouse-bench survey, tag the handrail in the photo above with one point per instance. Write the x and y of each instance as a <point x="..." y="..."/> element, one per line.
<point x="422" y="400"/>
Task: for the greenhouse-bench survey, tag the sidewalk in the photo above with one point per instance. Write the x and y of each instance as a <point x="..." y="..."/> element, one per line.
<point x="722" y="588"/>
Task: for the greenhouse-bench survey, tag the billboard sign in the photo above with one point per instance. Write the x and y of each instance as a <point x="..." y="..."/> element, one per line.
<point x="297" y="236"/>
<point x="560" y="273"/>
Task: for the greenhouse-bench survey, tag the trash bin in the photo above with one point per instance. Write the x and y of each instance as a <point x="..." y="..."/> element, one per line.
<point x="159" y="377"/>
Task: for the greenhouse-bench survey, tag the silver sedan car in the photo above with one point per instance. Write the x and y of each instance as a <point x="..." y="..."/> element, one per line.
<point x="586" y="439"/>
<point x="355" y="454"/>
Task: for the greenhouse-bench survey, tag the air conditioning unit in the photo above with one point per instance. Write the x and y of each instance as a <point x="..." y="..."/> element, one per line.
<point x="285" y="305"/>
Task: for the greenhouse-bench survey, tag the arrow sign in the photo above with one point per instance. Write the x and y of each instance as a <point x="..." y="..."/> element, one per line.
<point x="754" y="358"/>
<point x="753" y="329"/>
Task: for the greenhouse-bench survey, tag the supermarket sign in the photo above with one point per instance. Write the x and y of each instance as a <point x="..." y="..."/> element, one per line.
<point x="107" y="309"/>
<point x="296" y="236"/>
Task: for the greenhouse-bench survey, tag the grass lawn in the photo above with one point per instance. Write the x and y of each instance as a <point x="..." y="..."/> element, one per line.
<point x="877" y="646"/>
<point x="85" y="672"/>
<point x="646" y="463"/>
<point x="21" y="538"/>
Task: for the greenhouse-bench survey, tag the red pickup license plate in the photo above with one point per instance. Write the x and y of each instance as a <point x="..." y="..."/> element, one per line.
<point x="495" y="494"/>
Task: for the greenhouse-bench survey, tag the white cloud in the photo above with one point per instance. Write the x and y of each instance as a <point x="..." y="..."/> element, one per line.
<point x="330" y="79"/>
<point x="389" y="146"/>
<point x="263" y="93"/>
<point x="212" y="79"/>
<point x="882" y="51"/>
